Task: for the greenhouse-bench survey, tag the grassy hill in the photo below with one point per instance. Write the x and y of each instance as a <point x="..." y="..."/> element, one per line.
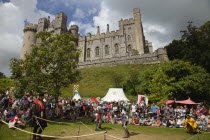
<point x="95" y="82"/>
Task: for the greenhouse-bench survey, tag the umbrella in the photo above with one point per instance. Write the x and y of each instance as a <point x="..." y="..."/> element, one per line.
<point x="95" y="100"/>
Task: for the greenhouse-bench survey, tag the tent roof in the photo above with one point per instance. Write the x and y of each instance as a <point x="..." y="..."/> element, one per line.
<point x="115" y="95"/>
<point x="169" y="101"/>
<point x="188" y="101"/>
<point x="76" y="96"/>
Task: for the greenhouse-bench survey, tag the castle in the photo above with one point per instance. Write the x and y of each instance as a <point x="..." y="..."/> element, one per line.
<point x="124" y="46"/>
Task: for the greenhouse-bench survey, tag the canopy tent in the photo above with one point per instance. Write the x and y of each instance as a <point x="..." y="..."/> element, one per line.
<point x="169" y="102"/>
<point x="115" y="95"/>
<point x="142" y="99"/>
<point x="188" y="101"/>
<point x="77" y="96"/>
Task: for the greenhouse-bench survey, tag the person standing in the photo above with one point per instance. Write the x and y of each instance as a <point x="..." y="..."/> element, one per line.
<point x="154" y="110"/>
<point x="38" y="113"/>
<point x="100" y="112"/>
<point x="125" y="118"/>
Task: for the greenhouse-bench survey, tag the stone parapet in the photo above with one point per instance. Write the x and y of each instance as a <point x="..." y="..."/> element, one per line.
<point x="30" y="27"/>
<point x="158" y="56"/>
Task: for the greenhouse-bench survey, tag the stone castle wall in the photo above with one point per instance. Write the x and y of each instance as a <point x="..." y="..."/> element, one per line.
<point x="158" y="56"/>
<point x="124" y="46"/>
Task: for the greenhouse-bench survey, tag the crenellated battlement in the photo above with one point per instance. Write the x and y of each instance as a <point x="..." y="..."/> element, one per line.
<point x="74" y="27"/>
<point x="59" y="15"/>
<point x="43" y="20"/>
<point x="30" y="27"/>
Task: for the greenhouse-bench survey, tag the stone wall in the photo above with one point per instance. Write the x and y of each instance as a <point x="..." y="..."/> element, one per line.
<point x="160" y="55"/>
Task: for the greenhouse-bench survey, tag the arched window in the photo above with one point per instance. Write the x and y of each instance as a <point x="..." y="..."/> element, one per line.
<point x="97" y="51"/>
<point x="129" y="49"/>
<point x="129" y="38"/>
<point x="88" y="52"/>
<point x="116" y="49"/>
<point x="106" y="50"/>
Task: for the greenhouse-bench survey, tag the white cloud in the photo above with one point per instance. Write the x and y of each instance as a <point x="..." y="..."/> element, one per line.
<point x="79" y="14"/>
<point x="12" y="18"/>
<point x="92" y="11"/>
<point x="85" y="28"/>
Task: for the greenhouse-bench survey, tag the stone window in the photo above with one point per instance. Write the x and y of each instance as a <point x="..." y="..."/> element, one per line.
<point x="106" y="50"/>
<point x="97" y="51"/>
<point x="129" y="49"/>
<point x="88" y="52"/>
<point x="116" y="49"/>
<point x="113" y="37"/>
<point x="129" y="38"/>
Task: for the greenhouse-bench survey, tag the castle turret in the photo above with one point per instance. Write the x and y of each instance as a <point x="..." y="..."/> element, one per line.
<point x="138" y="29"/>
<point x="74" y="29"/>
<point x="60" y="23"/>
<point x="43" y="24"/>
<point x="29" y="39"/>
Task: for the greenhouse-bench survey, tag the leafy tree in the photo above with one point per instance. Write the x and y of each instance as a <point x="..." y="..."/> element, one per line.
<point x="6" y="84"/>
<point x="117" y="79"/>
<point x="49" y="67"/>
<point x="132" y="82"/>
<point x="175" y="79"/>
<point x="2" y="75"/>
<point x="194" y="46"/>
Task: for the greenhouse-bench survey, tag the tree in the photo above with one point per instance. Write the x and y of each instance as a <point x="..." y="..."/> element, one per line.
<point x="49" y="67"/>
<point x="132" y="82"/>
<point x="6" y="84"/>
<point x="194" y="46"/>
<point x="175" y="79"/>
<point x="2" y="75"/>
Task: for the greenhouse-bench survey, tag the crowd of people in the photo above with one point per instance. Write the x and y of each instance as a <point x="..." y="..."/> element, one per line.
<point x="152" y="116"/>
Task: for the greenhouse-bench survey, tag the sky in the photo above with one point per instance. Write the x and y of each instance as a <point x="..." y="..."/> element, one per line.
<point x="162" y="19"/>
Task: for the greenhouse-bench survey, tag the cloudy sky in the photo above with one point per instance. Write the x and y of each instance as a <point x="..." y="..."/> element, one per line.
<point x="162" y="19"/>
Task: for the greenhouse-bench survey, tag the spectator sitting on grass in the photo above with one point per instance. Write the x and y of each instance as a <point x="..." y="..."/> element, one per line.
<point x="164" y="121"/>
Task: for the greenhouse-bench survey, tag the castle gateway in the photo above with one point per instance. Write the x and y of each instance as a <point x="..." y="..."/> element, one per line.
<point x="124" y="46"/>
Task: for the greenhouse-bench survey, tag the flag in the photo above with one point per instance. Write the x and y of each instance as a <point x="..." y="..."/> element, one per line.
<point x="76" y="88"/>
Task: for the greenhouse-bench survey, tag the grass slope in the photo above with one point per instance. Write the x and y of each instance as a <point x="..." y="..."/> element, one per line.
<point x="95" y="82"/>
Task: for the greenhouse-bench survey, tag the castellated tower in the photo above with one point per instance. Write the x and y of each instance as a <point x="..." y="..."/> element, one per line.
<point x="60" y="23"/>
<point x="138" y="29"/>
<point x="74" y="29"/>
<point x="28" y="39"/>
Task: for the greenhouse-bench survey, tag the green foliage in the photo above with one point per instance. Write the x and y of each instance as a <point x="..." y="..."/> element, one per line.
<point x="175" y="79"/>
<point x="131" y="83"/>
<point x="50" y="66"/>
<point x="2" y="75"/>
<point x="5" y="84"/>
<point x="194" y="46"/>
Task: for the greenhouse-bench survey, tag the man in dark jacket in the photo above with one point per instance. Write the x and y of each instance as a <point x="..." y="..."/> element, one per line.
<point x="38" y="113"/>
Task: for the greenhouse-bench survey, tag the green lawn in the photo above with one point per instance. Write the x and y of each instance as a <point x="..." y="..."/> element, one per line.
<point x="137" y="132"/>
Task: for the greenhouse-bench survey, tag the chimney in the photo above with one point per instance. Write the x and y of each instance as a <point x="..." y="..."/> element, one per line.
<point x="107" y="29"/>
<point x="98" y="30"/>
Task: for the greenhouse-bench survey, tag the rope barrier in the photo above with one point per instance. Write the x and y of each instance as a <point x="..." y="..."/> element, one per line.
<point x="192" y="137"/>
<point x="61" y="137"/>
<point x="55" y="121"/>
<point x="113" y="137"/>
<point x="86" y="126"/>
